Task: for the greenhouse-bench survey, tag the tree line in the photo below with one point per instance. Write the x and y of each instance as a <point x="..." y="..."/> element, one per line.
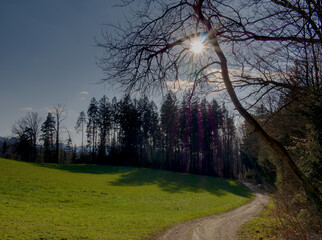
<point x="191" y="135"/>
<point x="36" y="140"/>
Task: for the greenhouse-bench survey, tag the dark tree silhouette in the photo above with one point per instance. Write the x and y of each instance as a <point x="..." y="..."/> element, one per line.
<point x="80" y="125"/>
<point x="92" y="126"/>
<point x="27" y="129"/>
<point x="60" y="114"/>
<point x="104" y="124"/>
<point x="4" y="148"/>
<point x="48" y="136"/>
<point x="169" y="127"/>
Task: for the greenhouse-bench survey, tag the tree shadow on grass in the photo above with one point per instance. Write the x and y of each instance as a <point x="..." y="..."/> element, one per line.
<point x="180" y="182"/>
<point x="86" y="168"/>
<point x="171" y="182"/>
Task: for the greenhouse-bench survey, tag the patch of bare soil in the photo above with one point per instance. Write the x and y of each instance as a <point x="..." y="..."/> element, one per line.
<point x="222" y="226"/>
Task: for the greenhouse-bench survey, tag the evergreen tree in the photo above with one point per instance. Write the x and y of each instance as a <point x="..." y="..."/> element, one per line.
<point x="129" y="121"/>
<point x="25" y="146"/>
<point x="228" y="137"/>
<point x="4" y="148"/>
<point x="80" y="125"/>
<point x="215" y="124"/>
<point x="169" y="127"/>
<point x="115" y="131"/>
<point x="69" y="149"/>
<point x="194" y="136"/>
<point x="205" y="145"/>
<point x="184" y="133"/>
<point x="153" y="134"/>
<point x="47" y="136"/>
<point x="115" y="119"/>
<point x="92" y="127"/>
<point x="104" y="119"/>
<point x="149" y="122"/>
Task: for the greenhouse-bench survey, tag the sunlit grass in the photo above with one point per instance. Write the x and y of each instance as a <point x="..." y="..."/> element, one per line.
<point x="51" y="201"/>
<point x="262" y="227"/>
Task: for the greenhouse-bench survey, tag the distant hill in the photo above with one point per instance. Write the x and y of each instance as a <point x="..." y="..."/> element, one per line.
<point x="6" y="139"/>
<point x="3" y="139"/>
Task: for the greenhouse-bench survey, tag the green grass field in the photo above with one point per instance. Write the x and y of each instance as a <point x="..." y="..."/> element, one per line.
<point x="261" y="227"/>
<point x="51" y="201"/>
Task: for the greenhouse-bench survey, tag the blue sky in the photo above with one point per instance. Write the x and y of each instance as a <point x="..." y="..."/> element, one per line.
<point x="48" y="54"/>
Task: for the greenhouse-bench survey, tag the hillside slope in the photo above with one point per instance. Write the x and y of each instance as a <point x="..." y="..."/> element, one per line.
<point x="51" y="201"/>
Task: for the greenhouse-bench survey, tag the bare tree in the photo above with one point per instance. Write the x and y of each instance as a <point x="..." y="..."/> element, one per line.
<point x="60" y="113"/>
<point x="266" y="43"/>
<point x="28" y="127"/>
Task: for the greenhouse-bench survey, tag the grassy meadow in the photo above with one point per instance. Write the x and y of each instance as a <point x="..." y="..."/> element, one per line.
<point x="52" y="201"/>
<point x="262" y="227"/>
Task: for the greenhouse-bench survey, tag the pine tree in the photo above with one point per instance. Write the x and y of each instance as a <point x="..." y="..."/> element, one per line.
<point x="47" y="136"/>
<point x="184" y="133"/>
<point x="80" y="125"/>
<point x="104" y="124"/>
<point x="205" y="145"/>
<point x="228" y="139"/>
<point x="4" y="148"/>
<point x="115" y="132"/>
<point x="149" y="123"/>
<point x="153" y="133"/>
<point x="69" y="148"/>
<point x="129" y="130"/>
<point x="169" y="128"/>
<point x="92" y="127"/>
<point x="115" y="120"/>
<point x="215" y="124"/>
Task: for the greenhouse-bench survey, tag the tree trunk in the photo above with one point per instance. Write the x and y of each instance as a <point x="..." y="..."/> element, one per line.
<point x="312" y="192"/>
<point x="57" y="141"/>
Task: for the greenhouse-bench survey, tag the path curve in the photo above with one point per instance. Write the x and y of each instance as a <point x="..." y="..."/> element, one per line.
<point x="223" y="226"/>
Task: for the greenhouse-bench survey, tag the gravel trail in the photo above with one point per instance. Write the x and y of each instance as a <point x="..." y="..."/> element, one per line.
<point x="223" y="226"/>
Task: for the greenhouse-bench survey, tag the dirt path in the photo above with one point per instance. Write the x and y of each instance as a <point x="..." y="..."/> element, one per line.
<point x="222" y="226"/>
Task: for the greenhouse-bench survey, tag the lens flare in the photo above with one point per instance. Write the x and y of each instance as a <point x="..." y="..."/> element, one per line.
<point x="197" y="46"/>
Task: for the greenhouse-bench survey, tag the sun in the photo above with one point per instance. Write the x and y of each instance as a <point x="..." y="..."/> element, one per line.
<point x="197" y="46"/>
